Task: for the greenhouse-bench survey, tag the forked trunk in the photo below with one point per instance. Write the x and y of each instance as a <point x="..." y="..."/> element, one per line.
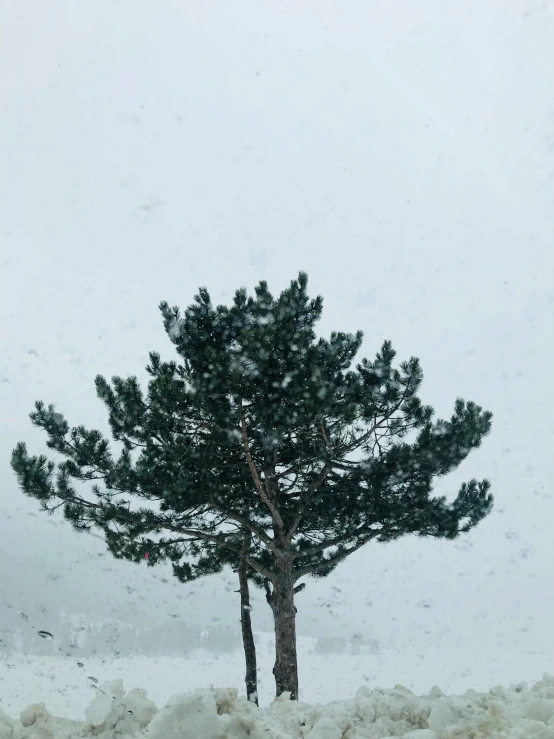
<point x="251" y="677"/>
<point x="285" y="670"/>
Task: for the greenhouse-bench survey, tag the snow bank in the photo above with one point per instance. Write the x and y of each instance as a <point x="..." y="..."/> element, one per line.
<point x="513" y="713"/>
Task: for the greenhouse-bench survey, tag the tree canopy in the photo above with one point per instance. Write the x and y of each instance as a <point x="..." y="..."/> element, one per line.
<point x="260" y="427"/>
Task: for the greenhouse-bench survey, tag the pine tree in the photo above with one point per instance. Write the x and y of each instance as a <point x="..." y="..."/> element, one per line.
<point x="260" y="427"/>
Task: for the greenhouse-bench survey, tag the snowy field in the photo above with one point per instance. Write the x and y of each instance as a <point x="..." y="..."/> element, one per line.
<point x="514" y="713"/>
<point x="371" y="704"/>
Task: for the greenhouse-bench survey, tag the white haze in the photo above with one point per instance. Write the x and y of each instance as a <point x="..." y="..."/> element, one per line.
<point x="402" y="154"/>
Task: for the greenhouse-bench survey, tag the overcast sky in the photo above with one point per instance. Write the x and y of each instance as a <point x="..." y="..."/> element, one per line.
<point x="400" y="152"/>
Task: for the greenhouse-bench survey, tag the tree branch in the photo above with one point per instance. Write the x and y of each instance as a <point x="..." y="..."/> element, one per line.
<point x="336" y="541"/>
<point x="325" y="439"/>
<point x="306" y="499"/>
<point x="310" y="569"/>
<point x="252" y="527"/>
<point x="255" y="476"/>
<point x="365" y="436"/>
<point x="160" y="522"/>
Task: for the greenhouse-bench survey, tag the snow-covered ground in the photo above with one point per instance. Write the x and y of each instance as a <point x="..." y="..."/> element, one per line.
<point x="66" y="689"/>
<point x="219" y="713"/>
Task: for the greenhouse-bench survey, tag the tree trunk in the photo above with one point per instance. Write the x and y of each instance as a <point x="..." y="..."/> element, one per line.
<point x="251" y="677"/>
<point x="285" y="670"/>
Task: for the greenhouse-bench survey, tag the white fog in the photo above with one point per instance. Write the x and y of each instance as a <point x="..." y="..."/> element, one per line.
<point x="402" y="154"/>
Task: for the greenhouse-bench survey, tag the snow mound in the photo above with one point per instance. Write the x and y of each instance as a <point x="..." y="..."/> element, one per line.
<point x="513" y="713"/>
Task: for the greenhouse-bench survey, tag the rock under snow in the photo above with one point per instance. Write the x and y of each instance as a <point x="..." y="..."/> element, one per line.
<point x="513" y="713"/>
